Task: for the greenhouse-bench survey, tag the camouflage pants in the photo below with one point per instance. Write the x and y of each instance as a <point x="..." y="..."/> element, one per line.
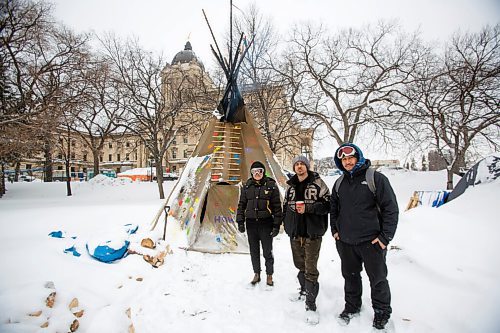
<point x="305" y="252"/>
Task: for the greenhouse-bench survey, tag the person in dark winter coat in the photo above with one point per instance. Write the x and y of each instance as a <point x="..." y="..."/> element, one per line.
<point x="259" y="208"/>
<point x="305" y="217"/>
<point x="362" y="224"/>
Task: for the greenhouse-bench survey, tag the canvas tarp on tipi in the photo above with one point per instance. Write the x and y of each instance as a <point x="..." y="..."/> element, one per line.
<point x="205" y="199"/>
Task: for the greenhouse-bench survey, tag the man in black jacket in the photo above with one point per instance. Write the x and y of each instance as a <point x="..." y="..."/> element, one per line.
<point x="260" y="207"/>
<point x="363" y="223"/>
<point x="305" y="216"/>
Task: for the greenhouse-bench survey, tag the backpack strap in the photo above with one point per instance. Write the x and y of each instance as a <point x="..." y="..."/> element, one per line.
<point x="338" y="182"/>
<point x="370" y="179"/>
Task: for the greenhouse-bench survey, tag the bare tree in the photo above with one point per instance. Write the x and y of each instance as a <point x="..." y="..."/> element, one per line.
<point x="351" y="79"/>
<point x="35" y="54"/>
<point x="457" y="99"/>
<point x="152" y="99"/>
<point x="99" y="106"/>
<point x="262" y="86"/>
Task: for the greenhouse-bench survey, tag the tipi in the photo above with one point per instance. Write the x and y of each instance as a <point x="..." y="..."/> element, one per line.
<point x="205" y="199"/>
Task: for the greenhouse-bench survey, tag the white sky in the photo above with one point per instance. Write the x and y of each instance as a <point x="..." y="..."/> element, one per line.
<point x="165" y="25"/>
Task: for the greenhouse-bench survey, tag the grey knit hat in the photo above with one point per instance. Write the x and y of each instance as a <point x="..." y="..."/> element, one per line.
<point x="303" y="159"/>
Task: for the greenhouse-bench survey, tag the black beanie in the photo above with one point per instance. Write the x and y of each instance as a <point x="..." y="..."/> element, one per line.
<point x="258" y="164"/>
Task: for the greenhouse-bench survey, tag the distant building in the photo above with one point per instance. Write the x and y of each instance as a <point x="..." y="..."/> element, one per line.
<point x="386" y="163"/>
<point x="125" y="151"/>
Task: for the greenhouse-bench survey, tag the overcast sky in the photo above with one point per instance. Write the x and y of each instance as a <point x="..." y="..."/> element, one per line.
<point x="165" y="25"/>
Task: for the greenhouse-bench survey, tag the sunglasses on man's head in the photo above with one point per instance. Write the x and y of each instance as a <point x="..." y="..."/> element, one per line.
<point x="257" y="171"/>
<point x="346" y="151"/>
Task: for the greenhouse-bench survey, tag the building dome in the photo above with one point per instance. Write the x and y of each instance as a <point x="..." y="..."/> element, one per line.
<point x="186" y="56"/>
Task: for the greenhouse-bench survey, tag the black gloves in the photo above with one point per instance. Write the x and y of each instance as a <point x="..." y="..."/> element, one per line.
<point x="241" y="227"/>
<point x="275" y="232"/>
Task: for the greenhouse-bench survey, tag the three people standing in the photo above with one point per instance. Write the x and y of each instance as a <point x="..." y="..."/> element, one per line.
<point x="363" y="217"/>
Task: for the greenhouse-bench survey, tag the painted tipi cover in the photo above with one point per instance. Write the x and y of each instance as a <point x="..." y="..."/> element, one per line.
<point x="204" y="201"/>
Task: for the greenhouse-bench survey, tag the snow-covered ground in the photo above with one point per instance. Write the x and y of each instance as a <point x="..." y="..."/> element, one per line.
<point x="444" y="277"/>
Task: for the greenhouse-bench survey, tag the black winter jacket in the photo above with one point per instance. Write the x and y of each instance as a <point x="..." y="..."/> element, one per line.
<point x="354" y="213"/>
<point x="317" y="206"/>
<point x="259" y="202"/>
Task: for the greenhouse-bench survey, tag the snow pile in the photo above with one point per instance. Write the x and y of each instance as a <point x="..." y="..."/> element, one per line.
<point x="138" y="171"/>
<point x="102" y="180"/>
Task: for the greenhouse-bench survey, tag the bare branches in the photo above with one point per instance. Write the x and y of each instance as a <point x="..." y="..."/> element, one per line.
<point x="351" y="79"/>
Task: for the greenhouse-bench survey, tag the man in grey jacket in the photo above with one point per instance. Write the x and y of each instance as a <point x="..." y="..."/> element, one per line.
<point x="363" y="222"/>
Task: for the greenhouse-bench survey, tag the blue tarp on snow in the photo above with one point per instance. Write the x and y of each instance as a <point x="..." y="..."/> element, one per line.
<point x="107" y="252"/>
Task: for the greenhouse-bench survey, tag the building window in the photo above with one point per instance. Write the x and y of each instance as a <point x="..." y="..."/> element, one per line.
<point x="28" y="166"/>
<point x="73" y="143"/>
<point x="85" y="157"/>
<point x="127" y="156"/>
<point x="72" y="169"/>
<point x="127" y="144"/>
<point x="59" y="156"/>
<point x="185" y="139"/>
<point x="73" y="156"/>
<point x="174" y="153"/>
<point x="59" y="167"/>
<point x="118" y="157"/>
<point x="186" y="153"/>
<point x="110" y="157"/>
<point x="101" y="158"/>
<point x="174" y="141"/>
<point x="136" y="156"/>
<point x="110" y="145"/>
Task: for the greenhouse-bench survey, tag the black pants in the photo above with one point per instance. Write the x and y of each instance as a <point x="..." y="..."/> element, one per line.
<point x="373" y="258"/>
<point x="258" y="234"/>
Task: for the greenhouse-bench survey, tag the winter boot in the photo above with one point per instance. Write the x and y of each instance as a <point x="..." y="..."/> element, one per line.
<point x="312" y="289"/>
<point x="256" y="279"/>
<point x="347" y="315"/>
<point x="380" y="320"/>
<point x="312" y="317"/>
<point x="269" y="280"/>
<point x="302" y="293"/>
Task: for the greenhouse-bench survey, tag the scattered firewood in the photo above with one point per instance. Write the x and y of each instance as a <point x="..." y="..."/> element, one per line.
<point x="51" y="299"/>
<point x="44" y="325"/>
<point x="74" y="325"/>
<point x="35" y="314"/>
<point x="148" y="242"/>
<point x="73" y="304"/>
<point x="78" y="314"/>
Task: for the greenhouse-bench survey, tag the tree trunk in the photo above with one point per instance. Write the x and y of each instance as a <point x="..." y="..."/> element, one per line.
<point x="449" y="183"/>
<point x="17" y="171"/>
<point x="159" y="180"/>
<point x="2" y="181"/>
<point x="68" y="160"/>
<point x="47" y="167"/>
<point x="68" y="179"/>
<point x="95" y="154"/>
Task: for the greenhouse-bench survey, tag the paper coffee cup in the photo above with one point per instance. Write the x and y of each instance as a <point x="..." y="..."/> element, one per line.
<point x="299" y="204"/>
